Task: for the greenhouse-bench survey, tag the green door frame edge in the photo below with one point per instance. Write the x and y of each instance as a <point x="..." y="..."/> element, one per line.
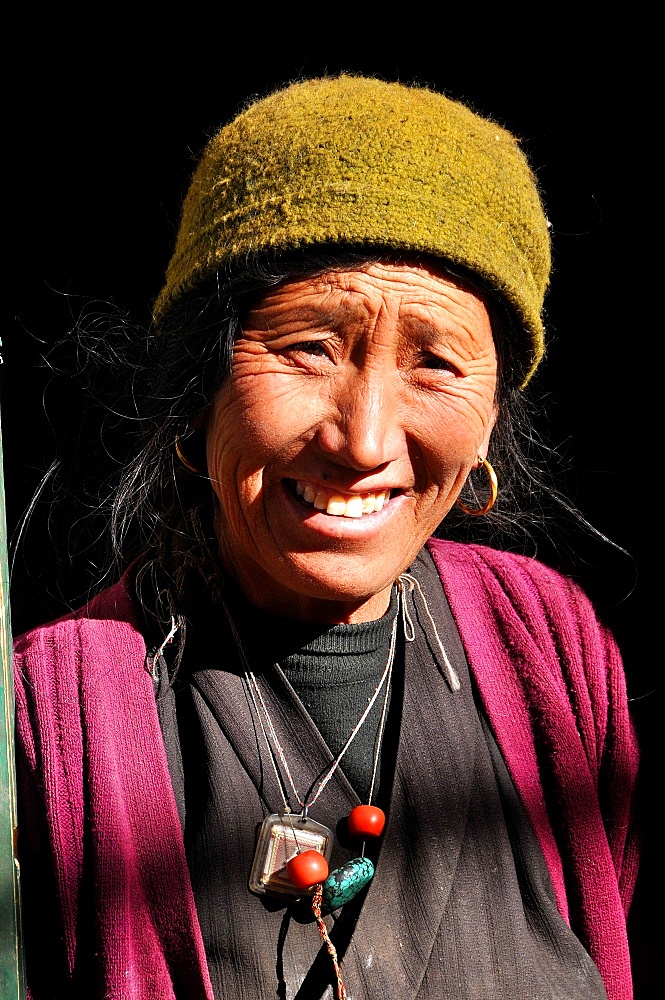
<point x="12" y="971"/>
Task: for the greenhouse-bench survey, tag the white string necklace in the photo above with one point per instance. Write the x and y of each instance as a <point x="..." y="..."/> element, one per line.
<point x="285" y="835"/>
<point x="285" y="838"/>
<point x="276" y="750"/>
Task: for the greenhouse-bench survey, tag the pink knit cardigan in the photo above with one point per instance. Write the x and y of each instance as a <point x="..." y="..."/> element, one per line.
<point x="92" y="765"/>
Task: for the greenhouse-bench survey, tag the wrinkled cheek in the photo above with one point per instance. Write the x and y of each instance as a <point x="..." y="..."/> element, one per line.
<point x="234" y="483"/>
<point x="438" y="463"/>
<point x="437" y="501"/>
<point x="237" y="491"/>
<point x="239" y="518"/>
<point x="451" y="445"/>
<point x="443" y="476"/>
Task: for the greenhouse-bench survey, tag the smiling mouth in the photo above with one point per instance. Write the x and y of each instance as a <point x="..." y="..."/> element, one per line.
<point x="336" y="504"/>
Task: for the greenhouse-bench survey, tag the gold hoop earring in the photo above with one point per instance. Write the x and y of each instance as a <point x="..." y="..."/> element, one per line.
<point x="494" y="492"/>
<point x="184" y="460"/>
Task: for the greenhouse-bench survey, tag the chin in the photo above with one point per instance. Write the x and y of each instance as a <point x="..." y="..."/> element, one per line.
<point x="339" y="592"/>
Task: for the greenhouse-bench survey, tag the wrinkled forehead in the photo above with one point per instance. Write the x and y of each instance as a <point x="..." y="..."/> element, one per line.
<point x="362" y="292"/>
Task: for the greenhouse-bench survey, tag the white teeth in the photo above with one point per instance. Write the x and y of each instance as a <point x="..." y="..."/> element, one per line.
<point x="354" y="507"/>
<point x="336" y="505"/>
<point x="340" y="506"/>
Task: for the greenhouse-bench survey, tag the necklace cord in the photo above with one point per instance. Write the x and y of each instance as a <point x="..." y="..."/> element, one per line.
<point x="273" y="742"/>
<point x="254" y="693"/>
<point x="412" y="584"/>
<point x="406" y="585"/>
<point x="370" y="704"/>
<point x="332" y="951"/>
<point x="384" y="713"/>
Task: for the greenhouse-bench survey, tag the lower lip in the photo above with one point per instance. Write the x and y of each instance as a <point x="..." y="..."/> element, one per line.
<point x="352" y="528"/>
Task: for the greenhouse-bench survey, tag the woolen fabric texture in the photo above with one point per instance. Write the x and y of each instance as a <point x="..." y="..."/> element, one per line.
<point x="359" y="161"/>
<point x="107" y="888"/>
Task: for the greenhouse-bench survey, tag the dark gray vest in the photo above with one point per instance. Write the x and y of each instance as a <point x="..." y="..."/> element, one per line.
<point x="461" y="905"/>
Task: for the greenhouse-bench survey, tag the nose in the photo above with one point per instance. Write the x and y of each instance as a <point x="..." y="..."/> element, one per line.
<point x="363" y="430"/>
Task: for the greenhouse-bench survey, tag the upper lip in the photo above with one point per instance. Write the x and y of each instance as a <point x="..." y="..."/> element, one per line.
<point x="328" y="486"/>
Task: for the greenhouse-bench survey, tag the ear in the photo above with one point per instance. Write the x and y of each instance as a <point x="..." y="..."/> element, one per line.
<point x="484" y="445"/>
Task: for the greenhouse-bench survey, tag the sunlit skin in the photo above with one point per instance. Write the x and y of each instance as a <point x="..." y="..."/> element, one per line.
<point x="354" y="382"/>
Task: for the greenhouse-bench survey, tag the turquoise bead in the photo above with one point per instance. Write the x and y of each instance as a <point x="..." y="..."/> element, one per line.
<point x="346" y="882"/>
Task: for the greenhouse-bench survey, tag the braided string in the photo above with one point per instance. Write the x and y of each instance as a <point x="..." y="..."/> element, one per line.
<point x="332" y="951"/>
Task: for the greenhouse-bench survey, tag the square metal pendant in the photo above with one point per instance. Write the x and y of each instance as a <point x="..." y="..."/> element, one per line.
<point x="280" y="838"/>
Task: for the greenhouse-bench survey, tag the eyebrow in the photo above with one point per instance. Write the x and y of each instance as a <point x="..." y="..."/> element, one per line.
<point x="350" y="311"/>
<point x="355" y="312"/>
<point x="427" y="332"/>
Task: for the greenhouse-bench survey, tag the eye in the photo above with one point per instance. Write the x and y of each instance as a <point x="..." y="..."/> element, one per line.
<point x="309" y="355"/>
<point x="314" y="347"/>
<point x="434" y="362"/>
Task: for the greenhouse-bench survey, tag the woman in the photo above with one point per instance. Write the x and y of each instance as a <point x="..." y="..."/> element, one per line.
<point x="303" y="747"/>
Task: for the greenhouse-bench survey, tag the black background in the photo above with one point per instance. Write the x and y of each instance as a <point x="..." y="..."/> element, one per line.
<point x="100" y="139"/>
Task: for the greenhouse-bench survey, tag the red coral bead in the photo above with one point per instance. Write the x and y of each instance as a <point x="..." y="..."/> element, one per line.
<point x="307" y="869"/>
<point x="366" y="821"/>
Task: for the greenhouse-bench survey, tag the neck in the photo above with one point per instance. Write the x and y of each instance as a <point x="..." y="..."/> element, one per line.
<point x="315" y="609"/>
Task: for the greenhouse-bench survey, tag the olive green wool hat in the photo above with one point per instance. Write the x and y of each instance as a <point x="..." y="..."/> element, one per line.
<point x="359" y="161"/>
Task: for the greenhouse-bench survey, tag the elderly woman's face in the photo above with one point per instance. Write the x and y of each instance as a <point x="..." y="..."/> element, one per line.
<point x="357" y="404"/>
